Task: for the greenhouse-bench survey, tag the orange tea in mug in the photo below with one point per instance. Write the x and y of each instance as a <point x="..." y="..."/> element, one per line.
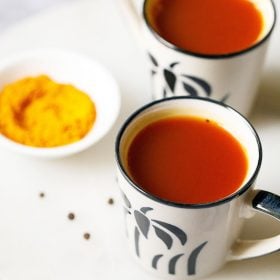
<point x="205" y="48"/>
<point x="187" y="160"/>
<point x="187" y="171"/>
<point x="206" y="26"/>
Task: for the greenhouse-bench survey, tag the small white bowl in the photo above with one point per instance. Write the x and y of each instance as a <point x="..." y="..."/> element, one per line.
<point x="66" y="67"/>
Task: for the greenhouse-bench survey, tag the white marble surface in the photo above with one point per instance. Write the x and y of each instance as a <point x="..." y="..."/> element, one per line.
<point x="37" y="241"/>
<point x="12" y="11"/>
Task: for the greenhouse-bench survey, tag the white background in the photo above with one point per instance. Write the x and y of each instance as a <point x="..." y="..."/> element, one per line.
<point x="11" y="11"/>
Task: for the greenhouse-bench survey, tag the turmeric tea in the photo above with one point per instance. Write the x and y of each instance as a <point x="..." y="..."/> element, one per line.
<point x="39" y="112"/>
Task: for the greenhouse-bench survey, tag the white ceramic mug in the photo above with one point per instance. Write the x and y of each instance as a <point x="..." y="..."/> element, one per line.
<point x="182" y="241"/>
<point x="232" y="78"/>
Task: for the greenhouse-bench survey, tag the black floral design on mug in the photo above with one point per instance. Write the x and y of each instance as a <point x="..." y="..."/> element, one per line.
<point x="165" y="232"/>
<point x="192" y="85"/>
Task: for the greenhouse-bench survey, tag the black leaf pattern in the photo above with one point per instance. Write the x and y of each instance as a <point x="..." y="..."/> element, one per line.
<point x="225" y="98"/>
<point x="153" y="72"/>
<point x="193" y="259"/>
<point x="143" y="226"/>
<point x="126" y="201"/>
<point x="172" y="263"/>
<point x="170" y="79"/>
<point x="191" y="90"/>
<point x="164" y="92"/>
<point x="154" y="61"/>
<point x="136" y="240"/>
<point x="142" y="222"/>
<point x="126" y="211"/>
<point x="180" y="234"/>
<point x="155" y="261"/>
<point x="172" y="65"/>
<point x="205" y="85"/>
<point x="146" y="209"/>
<point x="165" y="237"/>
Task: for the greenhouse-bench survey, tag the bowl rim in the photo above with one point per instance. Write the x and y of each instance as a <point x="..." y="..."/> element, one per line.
<point x="91" y="137"/>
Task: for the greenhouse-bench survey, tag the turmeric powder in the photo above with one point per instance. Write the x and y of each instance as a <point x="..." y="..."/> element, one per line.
<point x="38" y="112"/>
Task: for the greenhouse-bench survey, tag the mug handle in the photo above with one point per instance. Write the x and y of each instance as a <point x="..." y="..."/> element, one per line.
<point x="267" y="203"/>
<point x="129" y="10"/>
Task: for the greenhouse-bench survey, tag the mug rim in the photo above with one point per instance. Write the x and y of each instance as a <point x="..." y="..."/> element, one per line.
<point x="209" y="56"/>
<point x="234" y="195"/>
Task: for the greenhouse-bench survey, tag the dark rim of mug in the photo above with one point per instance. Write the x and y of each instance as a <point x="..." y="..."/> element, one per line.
<point x="242" y="189"/>
<point x="210" y="56"/>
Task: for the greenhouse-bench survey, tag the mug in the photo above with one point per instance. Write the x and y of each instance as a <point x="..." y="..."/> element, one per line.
<point x="231" y="78"/>
<point x="188" y="241"/>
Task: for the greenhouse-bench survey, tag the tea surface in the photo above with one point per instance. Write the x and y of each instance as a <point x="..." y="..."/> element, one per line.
<point x="206" y="26"/>
<point x="187" y="160"/>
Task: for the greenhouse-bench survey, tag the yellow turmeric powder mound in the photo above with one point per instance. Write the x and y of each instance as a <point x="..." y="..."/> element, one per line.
<point x="38" y="112"/>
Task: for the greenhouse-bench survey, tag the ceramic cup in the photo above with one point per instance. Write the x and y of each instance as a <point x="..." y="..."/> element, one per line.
<point x="231" y="78"/>
<point x="188" y="241"/>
